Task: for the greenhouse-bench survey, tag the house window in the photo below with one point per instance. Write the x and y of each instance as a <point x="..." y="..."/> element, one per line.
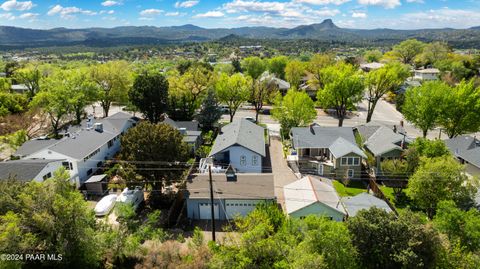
<point x="350" y="161"/>
<point x="110" y="143"/>
<point x="243" y="160"/>
<point x="350" y="173"/>
<point x="47" y="176"/>
<point x="67" y="165"/>
<point x="89" y="172"/>
<point x="254" y="160"/>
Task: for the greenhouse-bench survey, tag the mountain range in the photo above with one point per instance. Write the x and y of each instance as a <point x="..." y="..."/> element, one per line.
<point x="14" y="37"/>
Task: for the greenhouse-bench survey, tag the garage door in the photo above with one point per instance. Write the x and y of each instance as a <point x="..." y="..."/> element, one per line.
<point x="206" y="210"/>
<point x="239" y="207"/>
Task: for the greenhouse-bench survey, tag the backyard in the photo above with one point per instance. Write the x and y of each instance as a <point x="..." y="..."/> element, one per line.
<point x="353" y="188"/>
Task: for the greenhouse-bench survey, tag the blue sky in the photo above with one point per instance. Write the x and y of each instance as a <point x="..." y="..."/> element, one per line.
<point x="396" y="14"/>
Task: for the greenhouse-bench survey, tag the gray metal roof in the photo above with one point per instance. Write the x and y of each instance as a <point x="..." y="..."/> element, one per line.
<point x="246" y="186"/>
<point x="188" y="125"/>
<point x="242" y="133"/>
<point x="339" y="140"/>
<point x="33" y="146"/>
<point x="83" y="141"/>
<point x="363" y="201"/>
<point x="465" y="147"/>
<point x="342" y="147"/>
<point x="23" y="170"/>
<point x="96" y="178"/>
<point x="384" y="140"/>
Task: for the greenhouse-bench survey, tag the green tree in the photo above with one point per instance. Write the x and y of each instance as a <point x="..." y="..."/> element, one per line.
<point x="210" y="112"/>
<point x="30" y="77"/>
<point x="343" y="88"/>
<point x="263" y="90"/>
<point x="294" y="109"/>
<point x="81" y="91"/>
<point x="385" y="241"/>
<point x="460" y="111"/>
<point x="150" y="95"/>
<point x="55" y="99"/>
<point x="233" y="91"/>
<point x="254" y="66"/>
<point x="315" y="67"/>
<point x="158" y="151"/>
<point x="434" y="52"/>
<point x="373" y="55"/>
<point x="459" y="225"/>
<point x="53" y="218"/>
<point x="294" y="72"/>
<point x="12" y="103"/>
<point x="423" y="104"/>
<point x="440" y="179"/>
<point x="113" y="80"/>
<point x="383" y="80"/>
<point x="186" y="91"/>
<point x="408" y="50"/>
<point x="277" y="66"/>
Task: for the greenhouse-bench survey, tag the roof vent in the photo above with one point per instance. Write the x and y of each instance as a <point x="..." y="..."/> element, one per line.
<point x="98" y="127"/>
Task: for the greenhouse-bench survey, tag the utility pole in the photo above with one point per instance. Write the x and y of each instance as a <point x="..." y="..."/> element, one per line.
<point x="211" y="201"/>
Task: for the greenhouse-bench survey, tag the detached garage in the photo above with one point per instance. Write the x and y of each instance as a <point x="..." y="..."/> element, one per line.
<point x="234" y="196"/>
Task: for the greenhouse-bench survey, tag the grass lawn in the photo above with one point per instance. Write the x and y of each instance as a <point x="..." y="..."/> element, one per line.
<point x="353" y="188"/>
<point x="388" y="193"/>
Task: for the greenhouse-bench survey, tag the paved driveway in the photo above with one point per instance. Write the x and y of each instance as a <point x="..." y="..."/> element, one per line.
<point x="282" y="174"/>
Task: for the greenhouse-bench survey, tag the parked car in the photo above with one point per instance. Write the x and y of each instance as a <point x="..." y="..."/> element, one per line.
<point x="105" y="205"/>
<point x="266" y="111"/>
<point x="225" y="109"/>
<point x="134" y="197"/>
<point x="251" y="119"/>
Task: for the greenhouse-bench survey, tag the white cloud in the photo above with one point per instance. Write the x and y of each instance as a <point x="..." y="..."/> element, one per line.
<point x="7" y="16"/>
<point x="210" y="14"/>
<point x="357" y="14"/>
<point x="29" y="16"/>
<point x="109" y="12"/>
<point x="416" y="1"/>
<point x="150" y="12"/>
<point x="14" y="5"/>
<point x="186" y="4"/>
<point x="384" y="3"/>
<point x="69" y="12"/>
<point x="445" y="17"/>
<point x="172" y="14"/>
<point x="323" y="2"/>
<point x="111" y="3"/>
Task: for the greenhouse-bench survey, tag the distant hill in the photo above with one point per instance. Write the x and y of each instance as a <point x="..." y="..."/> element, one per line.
<point x="14" y="37"/>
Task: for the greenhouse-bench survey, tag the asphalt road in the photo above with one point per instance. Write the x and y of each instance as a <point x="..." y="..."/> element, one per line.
<point x="385" y="113"/>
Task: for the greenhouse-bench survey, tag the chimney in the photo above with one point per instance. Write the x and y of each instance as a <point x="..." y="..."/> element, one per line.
<point x="311" y="128"/>
<point x="98" y="127"/>
<point x="230" y="174"/>
<point x="395" y="128"/>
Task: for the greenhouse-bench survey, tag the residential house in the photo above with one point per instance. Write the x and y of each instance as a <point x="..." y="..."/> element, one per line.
<point x="426" y="74"/>
<point x="467" y="150"/>
<point x="363" y="201"/>
<point x="282" y="85"/>
<point x="327" y="151"/>
<point x="310" y="196"/>
<point x="28" y="170"/>
<point x="190" y="131"/>
<point x="234" y="194"/>
<point x="367" y="67"/>
<point x="382" y="142"/>
<point x="240" y="144"/>
<point x="84" y="147"/>
<point x="19" y="88"/>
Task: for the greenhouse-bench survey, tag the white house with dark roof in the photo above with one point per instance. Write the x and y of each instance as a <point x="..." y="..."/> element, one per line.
<point x="84" y="148"/>
<point x="240" y="144"/>
<point x="327" y="151"/>
<point x="28" y="170"/>
<point x="310" y="196"/>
